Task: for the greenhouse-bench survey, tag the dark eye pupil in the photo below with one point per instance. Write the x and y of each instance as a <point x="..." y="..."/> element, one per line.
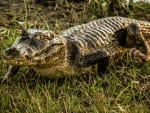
<point x="24" y="38"/>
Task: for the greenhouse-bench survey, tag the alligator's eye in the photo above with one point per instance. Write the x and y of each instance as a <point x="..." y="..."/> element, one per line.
<point x="24" y="38"/>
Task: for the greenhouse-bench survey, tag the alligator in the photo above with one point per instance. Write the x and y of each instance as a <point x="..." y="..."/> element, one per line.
<point x="74" y="51"/>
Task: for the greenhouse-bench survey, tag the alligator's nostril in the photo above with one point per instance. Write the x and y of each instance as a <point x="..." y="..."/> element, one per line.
<point x="7" y="51"/>
<point x="11" y="52"/>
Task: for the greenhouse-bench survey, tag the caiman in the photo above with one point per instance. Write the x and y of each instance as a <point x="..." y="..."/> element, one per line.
<point x="79" y="48"/>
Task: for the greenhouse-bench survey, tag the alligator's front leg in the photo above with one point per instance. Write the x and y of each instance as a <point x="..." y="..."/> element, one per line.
<point x="134" y="36"/>
<point x="99" y="57"/>
<point x="12" y="70"/>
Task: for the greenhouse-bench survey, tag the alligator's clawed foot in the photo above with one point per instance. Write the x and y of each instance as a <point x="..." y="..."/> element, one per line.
<point x="147" y="51"/>
<point x="4" y="80"/>
<point x="137" y="56"/>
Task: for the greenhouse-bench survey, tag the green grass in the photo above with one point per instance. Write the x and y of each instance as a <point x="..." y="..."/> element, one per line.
<point x="123" y="89"/>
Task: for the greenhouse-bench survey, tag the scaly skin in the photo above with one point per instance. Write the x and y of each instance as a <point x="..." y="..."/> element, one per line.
<point x="79" y="48"/>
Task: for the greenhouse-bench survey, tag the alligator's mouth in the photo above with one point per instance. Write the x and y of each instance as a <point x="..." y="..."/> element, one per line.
<point x="13" y="58"/>
<point x="20" y="62"/>
<point x="26" y="61"/>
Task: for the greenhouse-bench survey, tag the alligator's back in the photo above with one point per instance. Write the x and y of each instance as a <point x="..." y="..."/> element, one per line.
<point x="102" y="33"/>
<point x="78" y="29"/>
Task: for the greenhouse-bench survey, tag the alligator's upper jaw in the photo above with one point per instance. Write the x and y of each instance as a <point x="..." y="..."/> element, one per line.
<point x="13" y="57"/>
<point x="26" y="61"/>
<point x="19" y="62"/>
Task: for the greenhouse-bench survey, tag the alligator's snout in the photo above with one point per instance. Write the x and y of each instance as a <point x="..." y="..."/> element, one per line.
<point x="11" y="53"/>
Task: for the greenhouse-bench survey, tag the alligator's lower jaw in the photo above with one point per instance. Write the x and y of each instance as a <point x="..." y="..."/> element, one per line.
<point x="57" y="71"/>
<point x="19" y="62"/>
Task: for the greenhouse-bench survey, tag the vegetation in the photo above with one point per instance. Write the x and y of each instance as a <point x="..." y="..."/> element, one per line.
<point x="123" y="89"/>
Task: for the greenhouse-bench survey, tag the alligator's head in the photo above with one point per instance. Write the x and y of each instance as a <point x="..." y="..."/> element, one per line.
<point x="35" y="48"/>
